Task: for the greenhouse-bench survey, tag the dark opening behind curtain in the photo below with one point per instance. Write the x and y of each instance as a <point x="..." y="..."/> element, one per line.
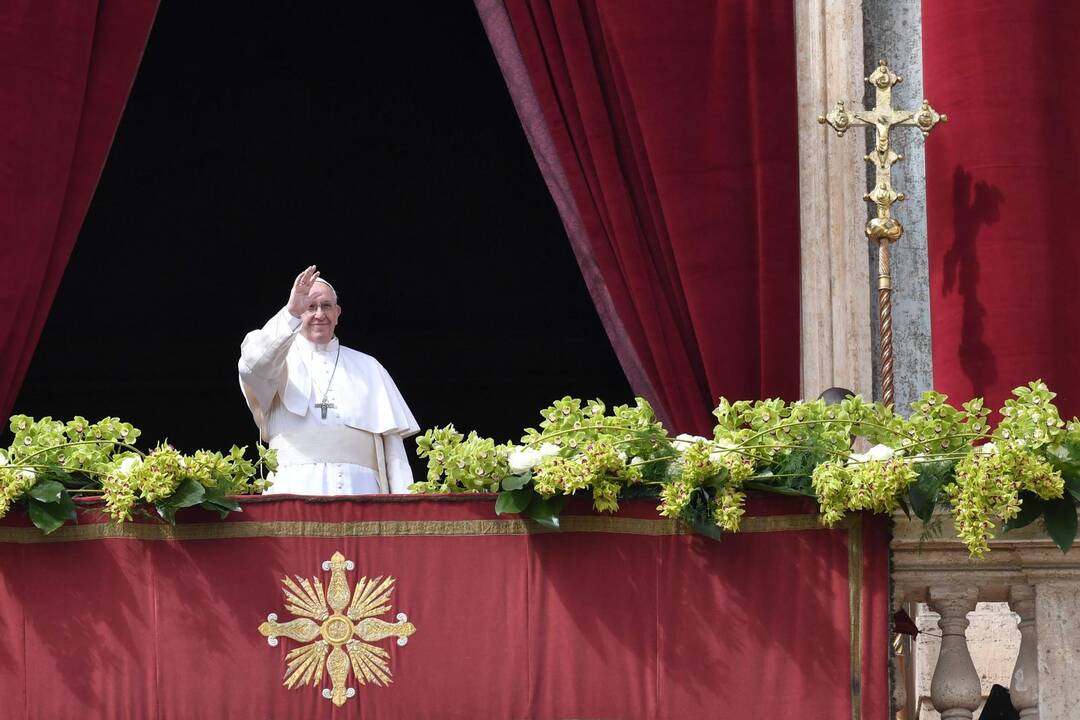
<point x="66" y="68"/>
<point x="667" y="134"/>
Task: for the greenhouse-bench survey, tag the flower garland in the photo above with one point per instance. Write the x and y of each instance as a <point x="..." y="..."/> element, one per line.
<point x="1026" y="468"/>
<point x="49" y="462"/>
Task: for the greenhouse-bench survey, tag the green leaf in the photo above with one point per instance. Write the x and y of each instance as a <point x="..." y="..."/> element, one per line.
<point x="47" y="491"/>
<point x="1031" y="507"/>
<point x="516" y="482"/>
<point x="708" y="528"/>
<point x="513" y="501"/>
<point x="921" y="503"/>
<point x="221" y="511"/>
<point x="1060" y="518"/>
<point x="221" y="503"/>
<point x="546" y="510"/>
<point x="778" y="489"/>
<point x="924" y="493"/>
<point x="48" y="516"/>
<point x="168" y="512"/>
<point x="187" y="494"/>
<point x="1072" y="485"/>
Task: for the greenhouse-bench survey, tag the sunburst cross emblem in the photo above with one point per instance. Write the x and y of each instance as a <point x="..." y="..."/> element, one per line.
<point x="336" y="638"/>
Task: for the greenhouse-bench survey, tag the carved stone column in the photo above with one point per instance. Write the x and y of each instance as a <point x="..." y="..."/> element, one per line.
<point x="955" y="689"/>
<point x="835" y="279"/>
<point x="1057" y="613"/>
<point x="1024" y="688"/>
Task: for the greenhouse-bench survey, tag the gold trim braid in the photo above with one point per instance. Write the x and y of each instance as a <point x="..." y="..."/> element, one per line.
<point x="855" y="588"/>
<point x="389" y="528"/>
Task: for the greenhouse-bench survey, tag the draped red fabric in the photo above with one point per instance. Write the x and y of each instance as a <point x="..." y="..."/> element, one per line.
<point x="667" y="135"/>
<point x="66" y="68"/>
<point x="612" y="617"/>
<point x="1002" y="178"/>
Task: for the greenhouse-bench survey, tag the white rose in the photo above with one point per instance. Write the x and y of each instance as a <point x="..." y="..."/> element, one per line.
<point x="637" y="461"/>
<point x="988" y="449"/>
<point x="683" y="441"/>
<point x="28" y="473"/>
<point x="128" y="465"/>
<point x="722" y="446"/>
<point x="857" y="458"/>
<point x="522" y="459"/>
<point x="881" y="453"/>
<point x="549" y="450"/>
<point x="3" y="459"/>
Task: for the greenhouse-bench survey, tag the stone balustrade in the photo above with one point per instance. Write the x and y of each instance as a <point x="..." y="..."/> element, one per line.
<point x="1028" y="597"/>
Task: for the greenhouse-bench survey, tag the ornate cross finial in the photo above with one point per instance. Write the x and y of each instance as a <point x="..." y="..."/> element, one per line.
<point x="884" y="228"/>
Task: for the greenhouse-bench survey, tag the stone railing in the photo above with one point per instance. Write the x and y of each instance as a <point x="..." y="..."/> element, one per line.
<point x="1025" y="633"/>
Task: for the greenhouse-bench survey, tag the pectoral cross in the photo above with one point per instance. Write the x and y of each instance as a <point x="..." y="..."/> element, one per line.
<point x="324" y="406"/>
<point x="883" y="229"/>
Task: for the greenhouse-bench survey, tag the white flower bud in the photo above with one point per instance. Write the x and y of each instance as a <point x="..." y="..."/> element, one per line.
<point x="880" y="453"/>
<point x="549" y="450"/>
<point x="522" y="459"/>
<point x="683" y="441"/>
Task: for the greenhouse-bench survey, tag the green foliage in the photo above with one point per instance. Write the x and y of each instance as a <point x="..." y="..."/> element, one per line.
<point x="940" y="457"/>
<point x="50" y="460"/>
<point x="578" y="447"/>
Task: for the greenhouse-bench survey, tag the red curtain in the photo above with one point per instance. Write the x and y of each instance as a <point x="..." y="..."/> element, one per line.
<point x="1002" y="178"/>
<point x="612" y="617"/>
<point x="667" y="135"/>
<point x="66" y="67"/>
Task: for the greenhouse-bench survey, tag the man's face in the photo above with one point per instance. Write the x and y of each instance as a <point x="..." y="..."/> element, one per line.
<point x="321" y="315"/>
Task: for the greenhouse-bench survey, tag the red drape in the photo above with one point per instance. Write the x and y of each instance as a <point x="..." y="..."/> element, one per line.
<point x="667" y="135"/>
<point x="66" y="67"/>
<point x="613" y="617"/>
<point x="1002" y="178"/>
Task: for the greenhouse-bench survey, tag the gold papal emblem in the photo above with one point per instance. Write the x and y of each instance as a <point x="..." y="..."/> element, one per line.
<point x="336" y="638"/>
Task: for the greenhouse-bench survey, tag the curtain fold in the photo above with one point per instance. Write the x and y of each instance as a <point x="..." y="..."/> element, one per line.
<point x="66" y="68"/>
<point x="1001" y="178"/>
<point x="667" y="135"/>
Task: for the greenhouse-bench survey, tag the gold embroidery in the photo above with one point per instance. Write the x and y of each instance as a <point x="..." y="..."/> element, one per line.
<point x="388" y="528"/>
<point x="855" y="584"/>
<point x="347" y="636"/>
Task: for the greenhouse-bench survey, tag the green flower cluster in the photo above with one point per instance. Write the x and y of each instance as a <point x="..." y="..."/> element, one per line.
<point x="599" y="467"/>
<point x="872" y="485"/>
<point x="988" y="486"/>
<point x="578" y="446"/>
<point x="50" y="460"/>
<point x="989" y="482"/>
<point x="939" y="456"/>
<point x="14" y="483"/>
<point x="460" y="464"/>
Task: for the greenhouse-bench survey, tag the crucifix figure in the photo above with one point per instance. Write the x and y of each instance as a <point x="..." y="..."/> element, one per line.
<point x="324" y="406"/>
<point x="883" y="229"/>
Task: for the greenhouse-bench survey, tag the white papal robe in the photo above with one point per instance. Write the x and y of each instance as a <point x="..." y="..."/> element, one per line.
<point x="358" y="447"/>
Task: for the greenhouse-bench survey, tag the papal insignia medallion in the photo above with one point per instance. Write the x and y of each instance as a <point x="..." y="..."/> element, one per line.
<point x="337" y="638"/>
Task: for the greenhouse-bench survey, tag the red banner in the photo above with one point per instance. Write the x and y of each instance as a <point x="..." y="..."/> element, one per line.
<point x="625" y="616"/>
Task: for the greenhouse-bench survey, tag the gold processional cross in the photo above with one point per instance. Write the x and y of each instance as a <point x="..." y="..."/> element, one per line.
<point x="884" y="229"/>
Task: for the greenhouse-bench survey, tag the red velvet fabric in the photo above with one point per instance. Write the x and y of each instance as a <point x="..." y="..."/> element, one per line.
<point x="999" y="177"/>
<point x="626" y="624"/>
<point x="673" y="160"/>
<point x="66" y="67"/>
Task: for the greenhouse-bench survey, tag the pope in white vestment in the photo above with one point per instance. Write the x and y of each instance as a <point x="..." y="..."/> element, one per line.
<point x="333" y="414"/>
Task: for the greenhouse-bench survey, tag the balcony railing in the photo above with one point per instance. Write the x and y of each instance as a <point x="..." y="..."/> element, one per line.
<point x="1027" y="636"/>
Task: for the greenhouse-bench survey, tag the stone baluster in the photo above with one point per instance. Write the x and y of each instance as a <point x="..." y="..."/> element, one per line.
<point x="955" y="690"/>
<point x="1024" y="688"/>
